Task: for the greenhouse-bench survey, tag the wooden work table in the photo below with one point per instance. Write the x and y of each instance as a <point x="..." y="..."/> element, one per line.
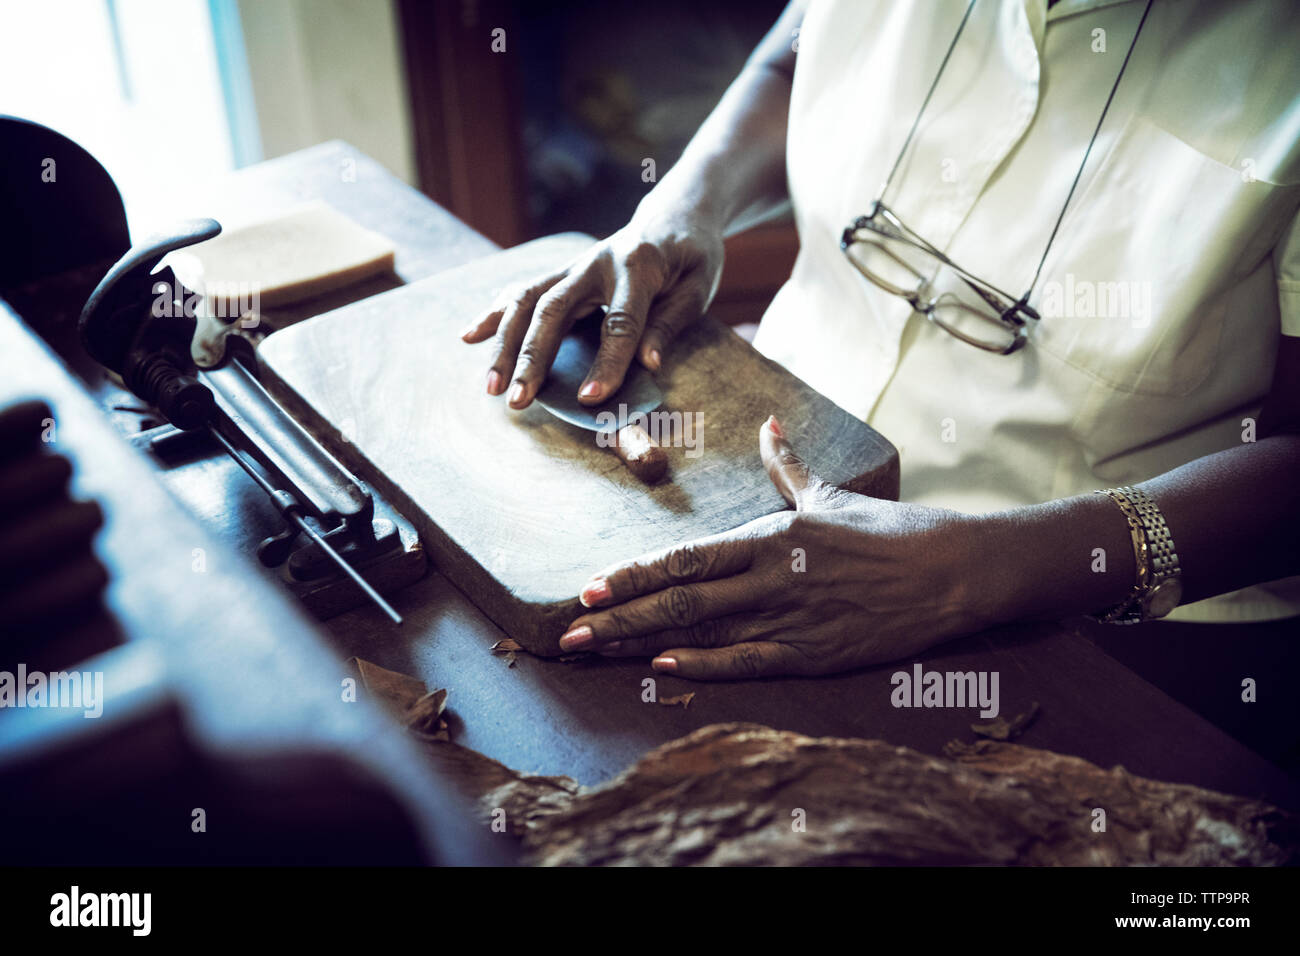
<point x="587" y="718"/>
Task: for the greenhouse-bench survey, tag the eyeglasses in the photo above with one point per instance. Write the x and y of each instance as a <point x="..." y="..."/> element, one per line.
<point x="896" y="259"/>
<point x="899" y="261"/>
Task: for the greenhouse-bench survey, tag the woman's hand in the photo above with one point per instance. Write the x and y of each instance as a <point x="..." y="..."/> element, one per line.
<point x="840" y="582"/>
<point x="657" y="275"/>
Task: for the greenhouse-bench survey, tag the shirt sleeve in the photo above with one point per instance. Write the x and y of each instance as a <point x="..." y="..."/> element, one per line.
<point x="1286" y="261"/>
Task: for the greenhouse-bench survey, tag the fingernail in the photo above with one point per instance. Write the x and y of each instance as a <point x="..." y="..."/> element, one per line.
<point x="494" y="382"/>
<point x="590" y="390"/>
<point x="655" y="358"/>
<point x="594" y="593"/>
<point x="610" y="649"/>
<point x="773" y="424"/>
<point x="517" y="393"/>
<point x="468" y="330"/>
<point x="666" y="665"/>
<point x="576" y="638"/>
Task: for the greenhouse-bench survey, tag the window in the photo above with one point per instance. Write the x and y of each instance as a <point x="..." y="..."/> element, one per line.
<point x="156" y="90"/>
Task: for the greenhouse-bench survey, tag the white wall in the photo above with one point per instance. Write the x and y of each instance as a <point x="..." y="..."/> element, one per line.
<point x="329" y="69"/>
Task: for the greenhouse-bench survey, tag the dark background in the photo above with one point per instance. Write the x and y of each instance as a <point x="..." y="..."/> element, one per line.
<point x="552" y="137"/>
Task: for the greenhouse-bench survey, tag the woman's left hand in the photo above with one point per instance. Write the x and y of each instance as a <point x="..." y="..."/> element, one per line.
<point x="842" y="581"/>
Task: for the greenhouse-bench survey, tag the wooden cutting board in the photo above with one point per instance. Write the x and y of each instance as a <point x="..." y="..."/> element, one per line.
<point x="518" y="509"/>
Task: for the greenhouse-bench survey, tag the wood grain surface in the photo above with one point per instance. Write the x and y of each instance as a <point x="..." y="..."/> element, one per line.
<point x="519" y="508"/>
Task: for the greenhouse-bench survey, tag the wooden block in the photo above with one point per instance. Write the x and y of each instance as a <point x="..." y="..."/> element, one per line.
<point x="519" y="508"/>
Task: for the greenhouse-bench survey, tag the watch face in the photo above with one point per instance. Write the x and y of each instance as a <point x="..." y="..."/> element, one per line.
<point x="1164" y="597"/>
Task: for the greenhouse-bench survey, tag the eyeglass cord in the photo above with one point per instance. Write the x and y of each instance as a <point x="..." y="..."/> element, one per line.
<point x="1024" y="299"/>
<point x="926" y="102"/>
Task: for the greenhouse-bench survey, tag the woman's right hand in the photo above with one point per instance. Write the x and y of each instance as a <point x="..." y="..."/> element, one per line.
<point x="657" y="275"/>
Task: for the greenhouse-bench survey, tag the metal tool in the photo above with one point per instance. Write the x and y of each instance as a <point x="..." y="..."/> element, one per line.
<point x="141" y="323"/>
<point x="620" y="421"/>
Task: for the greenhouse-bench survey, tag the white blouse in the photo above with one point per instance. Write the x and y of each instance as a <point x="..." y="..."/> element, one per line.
<point x="1175" y="271"/>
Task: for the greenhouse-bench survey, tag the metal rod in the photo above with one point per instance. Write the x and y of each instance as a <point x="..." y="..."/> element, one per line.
<point x="307" y="529"/>
<point x="374" y="595"/>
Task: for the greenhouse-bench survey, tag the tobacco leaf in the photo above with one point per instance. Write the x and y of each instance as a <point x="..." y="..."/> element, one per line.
<point x="1002" y="729"/>
<point x="731" y="794"/>
<point x="398" y="691"/>
<point x="493" y="787"/>
<point x="425" y="715"/>
<point x="406" y="698"/>
<point x="510" y="648"/>
<point x="683" y="699"/>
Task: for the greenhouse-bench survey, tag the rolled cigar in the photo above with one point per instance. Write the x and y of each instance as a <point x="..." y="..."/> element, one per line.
<point x="642" y="456"/>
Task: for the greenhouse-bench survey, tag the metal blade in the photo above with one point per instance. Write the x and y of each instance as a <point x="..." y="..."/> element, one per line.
<point x="559" y="394"/>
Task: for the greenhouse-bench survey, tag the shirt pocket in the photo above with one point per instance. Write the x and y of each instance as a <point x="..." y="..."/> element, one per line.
<point x="1136" y="288"/>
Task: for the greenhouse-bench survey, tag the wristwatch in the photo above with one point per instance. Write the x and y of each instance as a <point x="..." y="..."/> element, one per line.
<point x="1159" y="586"/>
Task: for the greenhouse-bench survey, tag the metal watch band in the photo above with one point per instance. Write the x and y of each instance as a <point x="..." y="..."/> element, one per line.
<point x="1158" y="588"/>
<point x="1128" y="611"/>
<point x="1160" y="543"/>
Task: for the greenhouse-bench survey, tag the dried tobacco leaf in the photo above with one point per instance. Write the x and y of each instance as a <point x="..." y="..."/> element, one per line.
<point x="683" y="699"/>
<point x="494" y="787"/>
<point x="425" y="715"/>
<point x="398" y="691"/>
<point x="727" y="795"/>
<point x="406" y="698"/>
<point x="1002" y="729"/>
<point x="510" y="648"/>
